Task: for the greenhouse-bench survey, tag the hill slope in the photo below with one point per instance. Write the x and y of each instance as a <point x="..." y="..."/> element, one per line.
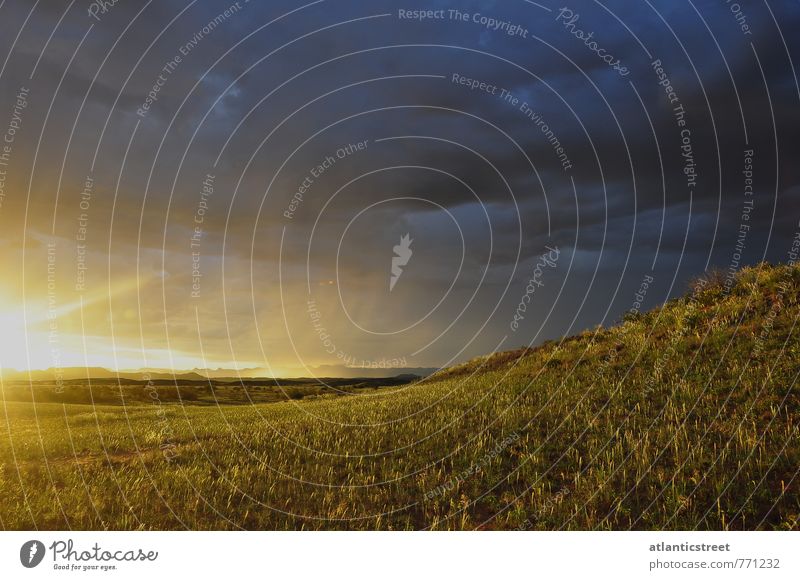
<point x="684" y="417"/>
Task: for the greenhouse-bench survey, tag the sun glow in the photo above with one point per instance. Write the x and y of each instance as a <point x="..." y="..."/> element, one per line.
<point x="43" y="334"/>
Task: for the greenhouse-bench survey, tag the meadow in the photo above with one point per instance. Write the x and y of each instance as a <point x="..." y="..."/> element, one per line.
<point x="683" y="417"/>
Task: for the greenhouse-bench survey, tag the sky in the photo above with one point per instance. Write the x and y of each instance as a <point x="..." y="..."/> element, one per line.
<point x="286" y="185"/>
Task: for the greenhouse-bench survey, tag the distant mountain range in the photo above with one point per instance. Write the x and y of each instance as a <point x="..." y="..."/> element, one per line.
<point x="81" y="373"/>
<point x="326" y="371"/>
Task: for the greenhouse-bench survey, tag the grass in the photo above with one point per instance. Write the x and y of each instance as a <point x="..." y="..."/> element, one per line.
<point x="209" y="392"/>
<point x="684" y="417"/>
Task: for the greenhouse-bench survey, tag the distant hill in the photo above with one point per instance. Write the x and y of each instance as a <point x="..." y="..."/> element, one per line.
<point x="367" y="373"/>
<point x="334" y="371"/>
<point x="202" y="375"/>
<point x="82" y="373"/>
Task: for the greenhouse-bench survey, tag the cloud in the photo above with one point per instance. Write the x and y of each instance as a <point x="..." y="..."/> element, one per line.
<point x="274" y="92"/>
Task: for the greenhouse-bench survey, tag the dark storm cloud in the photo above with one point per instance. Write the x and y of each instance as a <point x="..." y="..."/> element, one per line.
<point x="348" y="72"/>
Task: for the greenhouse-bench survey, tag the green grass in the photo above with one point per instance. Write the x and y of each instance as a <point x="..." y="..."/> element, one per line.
<point x="208" y="392"/>
<point x="680" y="418"/>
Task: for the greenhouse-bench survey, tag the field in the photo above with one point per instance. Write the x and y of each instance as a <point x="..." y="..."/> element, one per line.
<point x="685" y="417"/>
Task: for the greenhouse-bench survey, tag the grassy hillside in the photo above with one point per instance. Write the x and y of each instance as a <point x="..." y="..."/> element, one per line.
<point x="683" y="417"/>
